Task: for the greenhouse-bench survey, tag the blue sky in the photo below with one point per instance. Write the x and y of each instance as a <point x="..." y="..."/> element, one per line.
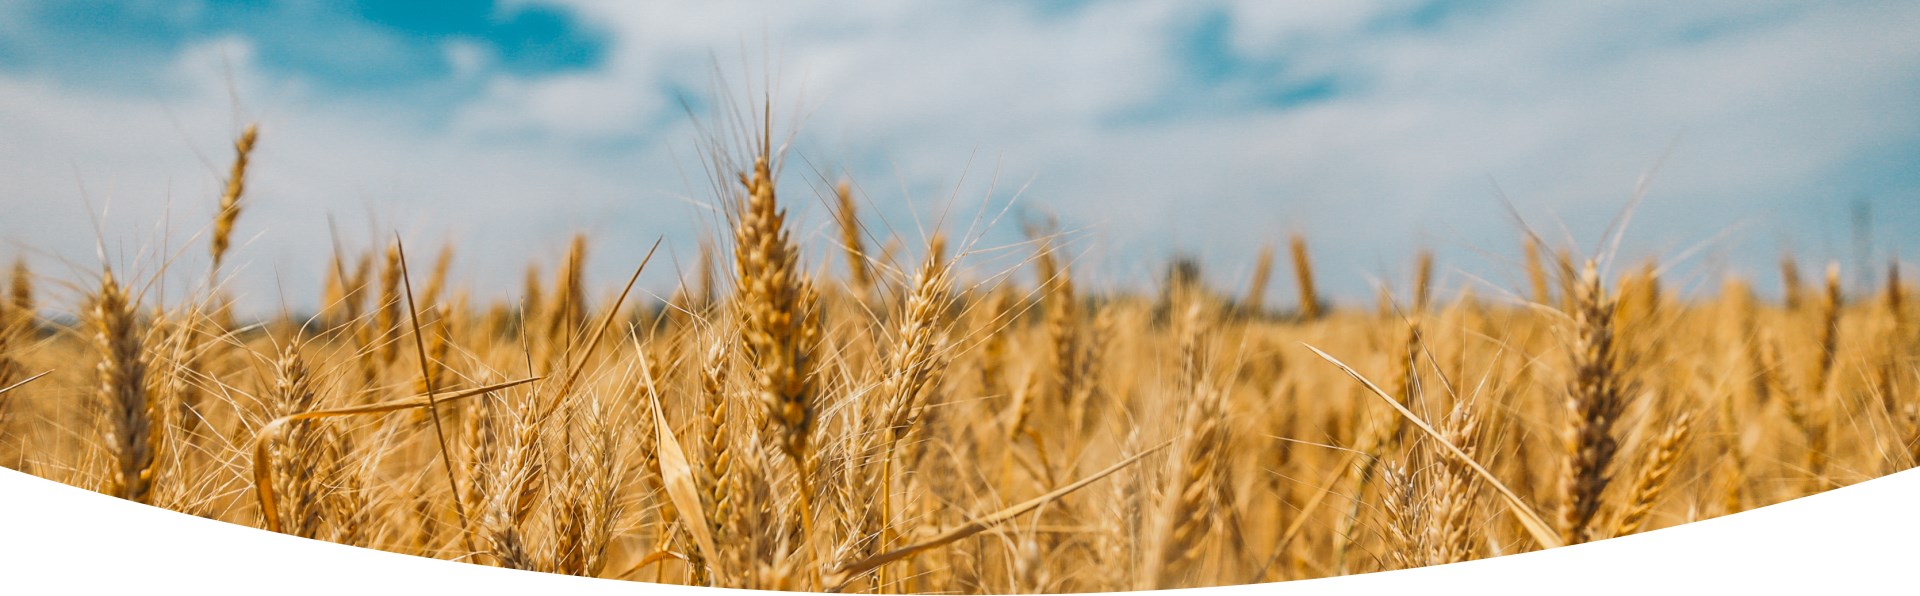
<point x="1209" y="128"/>
<point x="347" y="46"/>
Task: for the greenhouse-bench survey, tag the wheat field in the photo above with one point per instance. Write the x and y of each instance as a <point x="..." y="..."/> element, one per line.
<point x="918" y="424"/>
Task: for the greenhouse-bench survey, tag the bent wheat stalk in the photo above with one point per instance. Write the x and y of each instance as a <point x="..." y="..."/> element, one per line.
<point x="1535" y="525"/>
<point x="275" y="429"/>
<point x="845" y="573"/>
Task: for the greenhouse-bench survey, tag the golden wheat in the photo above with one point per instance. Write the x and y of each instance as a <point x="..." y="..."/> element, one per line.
<point x="946" y="426"/>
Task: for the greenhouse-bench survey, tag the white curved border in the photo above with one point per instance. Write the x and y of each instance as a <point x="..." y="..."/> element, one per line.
<point x="60" y="539"/>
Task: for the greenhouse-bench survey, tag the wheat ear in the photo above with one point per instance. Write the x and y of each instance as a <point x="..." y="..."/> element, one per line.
<point x="1256" y="300"/>
<point x="130" y="409"/>
<point x="1595" y="401"/>
<point x="1655" y="474"/>
<point x="230" y="197"/>
<point x="848" y="216"/>
<point x="1303" y="276"/>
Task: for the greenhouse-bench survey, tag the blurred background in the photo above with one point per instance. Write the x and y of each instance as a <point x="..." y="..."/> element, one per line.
<point x="1150" y="129"/>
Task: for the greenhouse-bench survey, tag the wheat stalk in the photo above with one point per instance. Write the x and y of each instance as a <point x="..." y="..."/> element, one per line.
<point x="568" y="314"/>
<point x="1422" y="281"/>
<point x="1188" y="513"/>
<point x="1256" y="300"/>
<point x="848" y="216"/>
<point x="1536" y="272"/>
<point x="1303" y="277"/>
<point x="1790" y="283"/>
<point x="230" y="197"/>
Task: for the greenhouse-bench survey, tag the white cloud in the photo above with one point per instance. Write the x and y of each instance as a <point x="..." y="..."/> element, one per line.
<point x="149" y="160"/>
<point x="466" y="57"/>
<point x="1774" y="108"/>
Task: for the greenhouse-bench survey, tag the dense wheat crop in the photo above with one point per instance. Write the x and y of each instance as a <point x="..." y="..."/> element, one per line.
<point x="924" y="424"/>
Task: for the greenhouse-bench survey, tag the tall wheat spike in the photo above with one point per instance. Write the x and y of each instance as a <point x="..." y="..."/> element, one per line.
<point x="511" y="487"/>
<point x="1256" y="299"/>
<point x="1655" y="474"/>
<point x="437" y="279"/>
<point x="997" y="315"/>
<point x="1810" y="410"/>
<point x="533" y="305"/>
<point x="1303" y="276"/>
<point x="1790" y="281"/>
<point x="779" y="326"/>
<point x="389" y="313"/>
<point x="1831" y="303"/>
<point x="587" y="511"/>
<point x="1595" y="402"/>
<point x="705" y="279"/>
<point x="230" y="197"/>
<point x="569" y="300"/>
<point x="1063" y="326"/>
<point x="1536" y="272"/>
<point x="1422" y="281"/>
<point x="302" y="456"/>
<point x="848" y="216"/>
<point x="1456" y="490"/>
<point x="917" y="359"/>
<point x="716" y="439"/>
<point x="777" y="305"/>
<point x="130" y="410"/>
<point x="1897" y="302"/>
<point x="1192" y="497"/>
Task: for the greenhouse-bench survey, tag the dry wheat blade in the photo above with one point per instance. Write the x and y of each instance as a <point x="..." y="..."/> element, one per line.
<point x="677" y="475"/>
<point x="845" y="573"/>
<point x="1536" y="526"/>
<point x="573" y="374"/>
<point x="433" y="407"/>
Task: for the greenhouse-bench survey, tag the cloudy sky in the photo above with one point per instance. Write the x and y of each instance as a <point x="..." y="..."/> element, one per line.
<point x="1150" y="128"/>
